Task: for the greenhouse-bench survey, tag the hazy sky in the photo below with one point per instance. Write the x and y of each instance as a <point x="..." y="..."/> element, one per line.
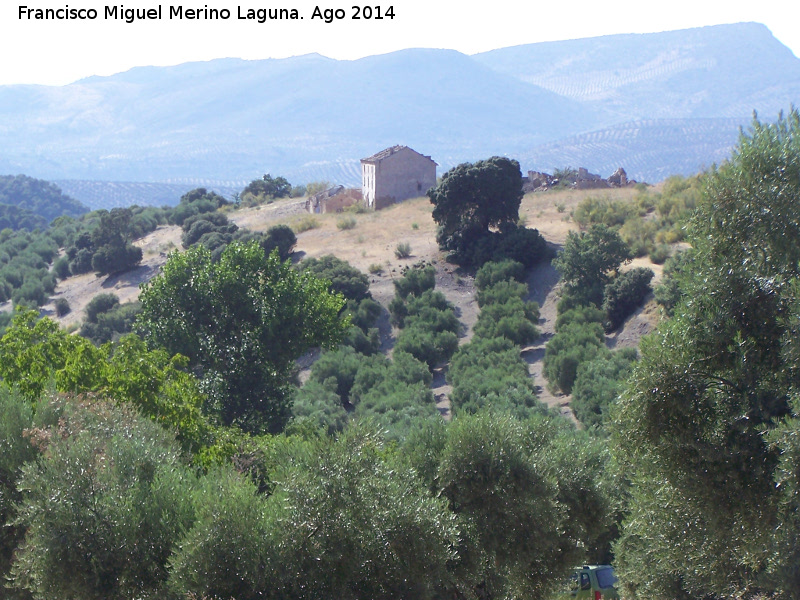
<point x="58" y="52"/>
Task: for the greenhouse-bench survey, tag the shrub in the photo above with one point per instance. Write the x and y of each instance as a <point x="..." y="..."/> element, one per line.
<point x="415" y="281"/>
<point x="375" y="268"/>
<point x="514" y="319"/>
<point x="598" y="383"/>
<point x="345" y="279"/>
<point x="501" y="292"/>
<point x="402" y="250"/>
<point x="305" y="223"/>
<point x="659" y="254"/>
<point x="432" y="348"/>
<point x="100" y="304"/>
<point x="492" y="273"/>
<point x="625" y="294"/>
<point x="490" y="372"/>
<point x="61" y="267"/>
<point x="346" y="223"/>
<point x="106" y="506"/>
<point x="319" y="403"/>
<point x="62" y="307"/>
<point x="581" y="314"/>
<point x="567" y="349"/>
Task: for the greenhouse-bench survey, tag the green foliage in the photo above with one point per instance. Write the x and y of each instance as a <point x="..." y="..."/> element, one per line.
<point x="430" y="326"/>
<point x="432" y="348"/>
<point x="492" y="273"/>
<point x="265" y="189"/>
<point x="573" y="344"/>
<point x="490" y="372"/>
<point x="402" y="250"/>
<point x="668" y="293"/>
<point x="100" y="304"/>
<point x="319" y="403"/>
<point x="501" y="293"/>
<point x="194" y="202"/>
<point x="492" y="475"/>
<point x="587" y="260"/>
<point x="598" y="383"/>
<point x="358" y="524"/>
<point x="233" y="547"/>
<point x="36" y="355"/>
<point x="474" y="197"/>
<point x="109" y="325"/>
<point x="62" y="307"/>
<point x="625" y="294"/>
<point x="112" y="251"/>
<point x="103" y="507"/>
<point x="225" y="318"/>
<point x="513" y="319"/>
<point x="344" y="278"/>
<point x="38" y="197"/>
<point x="415" y="282"/>
<point x="305" y="223"/>
<point x="702" y="428"/>
<point x="580" y="314"/>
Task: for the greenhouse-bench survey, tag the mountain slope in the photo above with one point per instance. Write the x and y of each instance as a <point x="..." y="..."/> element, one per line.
<point x="707" y="72"/>
<point x="234" y="119"/>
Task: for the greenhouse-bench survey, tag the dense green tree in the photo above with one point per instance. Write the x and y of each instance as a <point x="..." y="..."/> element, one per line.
<point x="704" y="427"/>
<point x="361" y="525"/>
<point x="111" y="240"/>
<point x="267" y="187"/>
<point x="473" y="197"/>
<point x="492" y="474"/>
<point x="39" y="197"/>
<point x="588" y="259"/>
<point x="242" y="321"/>
<point x="625" y="294"/>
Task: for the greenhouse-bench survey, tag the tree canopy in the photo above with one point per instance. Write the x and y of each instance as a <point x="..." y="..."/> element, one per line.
<point x="473" y="197"/>
<point x="707" y="428"/>
<point x="242" y="321"/>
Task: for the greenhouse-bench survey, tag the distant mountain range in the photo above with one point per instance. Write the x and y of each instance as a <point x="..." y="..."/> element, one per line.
<point x="656" y="104"/>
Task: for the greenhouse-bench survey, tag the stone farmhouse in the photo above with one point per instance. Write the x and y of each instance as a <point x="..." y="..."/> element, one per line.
<point x="395" y="174"/>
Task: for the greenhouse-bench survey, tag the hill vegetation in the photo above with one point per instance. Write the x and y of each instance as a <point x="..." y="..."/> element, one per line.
<point x="188" y="459"/>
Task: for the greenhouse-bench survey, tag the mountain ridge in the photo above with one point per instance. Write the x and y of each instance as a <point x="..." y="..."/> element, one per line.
<point x="312" y="117"/>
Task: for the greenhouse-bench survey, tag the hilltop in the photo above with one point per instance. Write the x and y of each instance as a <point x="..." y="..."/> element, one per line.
<point x="370" y="247"/>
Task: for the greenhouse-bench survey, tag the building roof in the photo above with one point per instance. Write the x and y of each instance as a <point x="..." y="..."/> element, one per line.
<point x="378" y="156"/>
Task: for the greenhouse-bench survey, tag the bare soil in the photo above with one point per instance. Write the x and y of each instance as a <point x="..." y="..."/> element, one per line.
<point x="370" y="246"/>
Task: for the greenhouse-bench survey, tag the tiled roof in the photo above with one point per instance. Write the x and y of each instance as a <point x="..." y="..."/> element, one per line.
<point x="388" y="152"/>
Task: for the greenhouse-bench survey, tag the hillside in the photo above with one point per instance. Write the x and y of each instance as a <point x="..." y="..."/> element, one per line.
<point x="312" y="118"/>
<point x="31" y="197"/>
<point x="371" y="244"/>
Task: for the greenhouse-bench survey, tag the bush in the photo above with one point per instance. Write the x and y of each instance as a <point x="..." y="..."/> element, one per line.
<point x="346" y="223"/>
<point x="62" y="307"/>
<point x="514" y="319"/>
<point x="625" y="294"/>
<point x="100" y="304"/>
<point x="432" y="348"/>
<point x="581" y="315"/>
<point x="490" y="372"/>
<point x="305" y="223"/>
<point x="501" y="292"/>
<point x="61" y="267"/>
<point x="598" y="383"/>
<point x="403" y="250"/>
<point x="492" y="273"/>
<point x="320" y="404"/>
<point x="105" y="507"/>
<point x="567" y="349"/>
<point x="112" y="259"/>
<point x="111" y="324"/>
<point x="345" y="279"/>
<point x="415" y="281"/>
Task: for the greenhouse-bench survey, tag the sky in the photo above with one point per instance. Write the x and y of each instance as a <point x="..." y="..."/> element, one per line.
<point x="56" y="52"/>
